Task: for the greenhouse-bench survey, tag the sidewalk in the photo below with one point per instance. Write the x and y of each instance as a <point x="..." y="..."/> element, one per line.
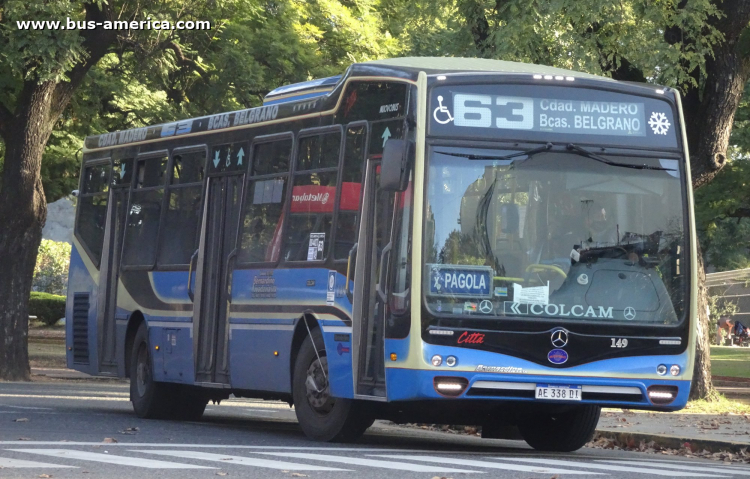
<point x="696" y="432"/>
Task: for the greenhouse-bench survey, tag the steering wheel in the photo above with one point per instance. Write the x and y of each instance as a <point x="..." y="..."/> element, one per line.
<point x="546" y="267"/>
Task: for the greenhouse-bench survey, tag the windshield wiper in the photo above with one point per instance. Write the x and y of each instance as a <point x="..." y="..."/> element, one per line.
<point x="584" y="152"/>
<point x="533" y="151"/>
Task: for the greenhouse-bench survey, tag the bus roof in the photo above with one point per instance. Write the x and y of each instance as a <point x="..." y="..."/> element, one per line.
<point x="448" y="65"/>
<point x="303" y="98"/>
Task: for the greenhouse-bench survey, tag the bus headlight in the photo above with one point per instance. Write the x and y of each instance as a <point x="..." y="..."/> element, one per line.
<point x="661" y="369"/>
<point x="451" y="361"/>
<point x="674" y="370"/>
<point x="437" y="360"/>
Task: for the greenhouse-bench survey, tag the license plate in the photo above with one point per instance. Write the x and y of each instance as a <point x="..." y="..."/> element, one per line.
<point x="558" y="392"/>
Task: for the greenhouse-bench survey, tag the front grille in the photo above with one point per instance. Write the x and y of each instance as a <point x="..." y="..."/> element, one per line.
<point x="511" y="393"/>
<point x="612" y="397"/>
<point x="81" y="328"/>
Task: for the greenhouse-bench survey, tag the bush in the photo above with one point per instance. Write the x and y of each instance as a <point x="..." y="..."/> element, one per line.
<point x="48" y="308"/>
<point x="51" y="271"/>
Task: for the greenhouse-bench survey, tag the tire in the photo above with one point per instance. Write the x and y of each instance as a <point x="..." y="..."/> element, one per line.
<point x="322" y="417"/>
<point x="189" y="404"/>
<point x="560" y="432"/>
<point x="151" y="399"/>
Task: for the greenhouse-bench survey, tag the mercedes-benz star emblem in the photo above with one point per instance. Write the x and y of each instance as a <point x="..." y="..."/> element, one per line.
<point x="486" y="306"/>
<point x="559" y="338"/>
<point x="629" y="313"/>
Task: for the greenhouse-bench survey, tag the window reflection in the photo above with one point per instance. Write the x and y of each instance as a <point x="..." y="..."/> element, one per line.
<point x="555" y="229"/>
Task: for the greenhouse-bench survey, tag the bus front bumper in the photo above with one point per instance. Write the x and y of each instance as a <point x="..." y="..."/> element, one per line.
<point x="648" y="394"/>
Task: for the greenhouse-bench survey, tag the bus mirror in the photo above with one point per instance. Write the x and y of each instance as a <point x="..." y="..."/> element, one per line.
<point x="394" y="170"/>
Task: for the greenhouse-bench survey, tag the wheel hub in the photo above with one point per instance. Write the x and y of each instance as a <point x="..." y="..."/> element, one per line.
<point x="317" y="386"/>
<point x="142" y="373"/>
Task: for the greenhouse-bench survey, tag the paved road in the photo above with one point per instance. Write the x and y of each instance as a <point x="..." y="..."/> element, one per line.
<point x="66" y="429"/>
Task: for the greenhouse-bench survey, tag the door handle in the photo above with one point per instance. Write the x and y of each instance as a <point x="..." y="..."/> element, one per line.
<point x="190" y="277"/>
<point x="230" y="267"/>
<point x="382" y="294"/>
<point x="352" y="259"/>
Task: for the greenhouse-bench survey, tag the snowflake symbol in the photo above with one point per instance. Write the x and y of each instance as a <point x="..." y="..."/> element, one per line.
<point x="659" y="123"/>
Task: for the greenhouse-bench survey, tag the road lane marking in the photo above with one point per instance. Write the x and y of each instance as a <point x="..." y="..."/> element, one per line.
<point x="608" y="467"/>
<point x="243" y="460"/>
<point x="110" y="459"/>
<point x="16" y="463"/>
<point x="684" y="467"/>
<point x="220" y="446"/>
<point x="494" y="465"/>
<point x="26" y="407"/>
<point x="401" y="466"/>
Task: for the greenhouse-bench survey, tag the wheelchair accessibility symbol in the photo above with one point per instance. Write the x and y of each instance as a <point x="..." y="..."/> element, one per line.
<point x="441" y="113"/>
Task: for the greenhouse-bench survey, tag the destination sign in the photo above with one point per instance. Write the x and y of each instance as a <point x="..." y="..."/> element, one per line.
<point x="548" y="112"/>
<point x="459" y="280"/>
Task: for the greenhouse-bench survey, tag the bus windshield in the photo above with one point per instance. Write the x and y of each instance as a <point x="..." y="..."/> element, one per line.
<point x="554" y="235"/>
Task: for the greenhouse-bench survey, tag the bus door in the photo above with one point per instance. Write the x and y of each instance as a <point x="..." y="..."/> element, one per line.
<point x="370" y="303"/>
<point x="110" y="267"/>
<point x="217" y="253"/>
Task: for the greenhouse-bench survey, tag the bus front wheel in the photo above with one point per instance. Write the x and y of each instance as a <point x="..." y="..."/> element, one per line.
<point x="565" y="431"/>
<point x="321" y="416"/>
<point x="151" y="399"/>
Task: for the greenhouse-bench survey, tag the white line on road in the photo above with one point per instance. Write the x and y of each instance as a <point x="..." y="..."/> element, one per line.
<point x="587" y="465"/>
<point x="26" y="407"/>
<point x="242" y="460"/>
<point x="110" y="459"/>
<point x="683" y="467"/>
<point x="13" y="463"/>
<point x="401" y="466"/>
<point x="222" y="446"/>
<point x="494" y="465"/>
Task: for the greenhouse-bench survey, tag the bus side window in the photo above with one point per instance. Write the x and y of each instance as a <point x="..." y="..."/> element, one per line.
<point x="264" y="207"/>
<point x="351" y="189"/>
<point x="92" y="210"/>
<point x="142" y="223"/>
<point x="183" y="216"/>
<point x="313" y="198"/>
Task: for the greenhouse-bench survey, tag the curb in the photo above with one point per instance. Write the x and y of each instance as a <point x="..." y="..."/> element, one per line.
<point x="57" y="373"/>
<point x="631" y="439"/>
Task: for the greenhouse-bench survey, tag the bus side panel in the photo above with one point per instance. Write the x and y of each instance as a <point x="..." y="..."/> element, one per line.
<point x="81" y="285"/>
<point x="259" y="358"/>
<point x="173" y="360"/>
<point x="339" y="355"/>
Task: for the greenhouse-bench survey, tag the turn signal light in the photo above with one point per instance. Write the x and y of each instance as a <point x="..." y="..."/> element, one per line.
<point x="450" y="386"/>
<point x="661" y="395"/>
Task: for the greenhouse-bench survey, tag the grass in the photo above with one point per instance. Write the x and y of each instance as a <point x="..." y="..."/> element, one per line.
<point x="722" y="406"/>
<point x="730" y="361"/>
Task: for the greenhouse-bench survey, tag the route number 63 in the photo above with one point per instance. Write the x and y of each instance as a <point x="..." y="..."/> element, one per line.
<point x="516" y="113"/>
<point x="619" y="343"/>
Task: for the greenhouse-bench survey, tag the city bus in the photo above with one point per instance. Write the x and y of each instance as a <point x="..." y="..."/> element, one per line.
<point x="429" y="240"/>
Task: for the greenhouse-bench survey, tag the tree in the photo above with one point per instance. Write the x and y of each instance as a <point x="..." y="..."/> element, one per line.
<point x="59" y="85"/>
<point x="701" y="47"/>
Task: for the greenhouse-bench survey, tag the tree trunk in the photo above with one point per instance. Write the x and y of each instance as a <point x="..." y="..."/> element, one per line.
<point x="23" y="211"/>
<point x="702" y="386"/>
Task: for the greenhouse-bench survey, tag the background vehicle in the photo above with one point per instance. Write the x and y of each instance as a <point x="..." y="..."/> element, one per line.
<point x="464" y="241"/>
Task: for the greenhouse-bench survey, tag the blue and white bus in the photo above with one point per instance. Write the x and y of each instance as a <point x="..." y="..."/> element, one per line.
<point x="439" y="240"/>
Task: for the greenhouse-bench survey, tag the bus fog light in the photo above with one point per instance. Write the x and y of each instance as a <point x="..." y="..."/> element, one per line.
<point x="437" y="360"/>
<point x="662" y="395"/>
<point x="661" y="369"/>
<point x="448" y="386"/>
<point x="674" y="370"/>
<point x="451" y="361"/>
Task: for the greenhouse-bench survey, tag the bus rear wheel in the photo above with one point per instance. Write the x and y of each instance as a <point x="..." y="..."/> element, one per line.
<point x="151" y="399"/>
<point x="565" y="431"/>
<point x="321" y="416"/>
